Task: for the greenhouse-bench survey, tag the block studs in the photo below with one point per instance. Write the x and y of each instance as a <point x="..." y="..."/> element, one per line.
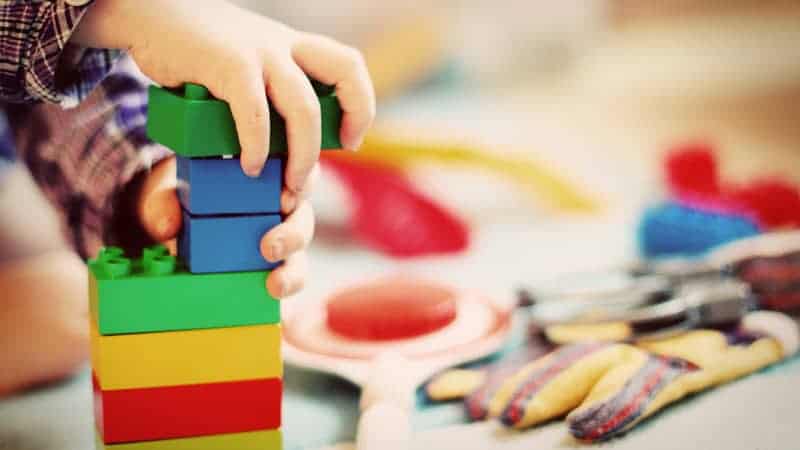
<point x="193" y="91"/>
<point x="156" y="260"/>
<point x="161" y="265"/>
<point x="107" y="253"/>
<point x="116" y="267"/>
<point x="111" y="263"/>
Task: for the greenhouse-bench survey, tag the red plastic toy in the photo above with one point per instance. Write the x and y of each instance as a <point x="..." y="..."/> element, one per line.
<point x="692" y="178"/>
<point x="691" y="170"/>
<point x="392" y="217"/>
<point x="391" y="309"/>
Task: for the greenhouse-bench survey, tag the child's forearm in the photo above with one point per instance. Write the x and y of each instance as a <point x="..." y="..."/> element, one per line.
<point x="103" y="25"/>
<point x="125" y="24"/>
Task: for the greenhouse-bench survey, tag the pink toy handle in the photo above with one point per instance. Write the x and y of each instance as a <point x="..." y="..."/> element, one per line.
<point x="386" y="402"/>
<point x="384" y="426"/>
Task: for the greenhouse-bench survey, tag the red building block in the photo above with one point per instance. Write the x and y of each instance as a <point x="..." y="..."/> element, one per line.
<point x="132" y="415"/>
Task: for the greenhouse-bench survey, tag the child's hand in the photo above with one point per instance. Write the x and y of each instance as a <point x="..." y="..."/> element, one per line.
<point x="159" y="211"/>
<point x="236" y="53"/>
<point x="242" y="58"/>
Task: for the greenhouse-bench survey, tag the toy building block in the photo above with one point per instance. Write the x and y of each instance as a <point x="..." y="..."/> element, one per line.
<point x="225" y="243"/>
<point x="331" y="118"/>
<point x="155" y="293"/>
<point x="133" y="415"/>
<point x="192" y="123"/>
<point x="129" y="361"/>
<point x="251" y="440"/>
<point x="209" y="186"/>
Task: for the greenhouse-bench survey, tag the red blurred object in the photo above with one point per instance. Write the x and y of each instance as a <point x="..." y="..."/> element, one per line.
<point x="776" y="203"/>
<point x="391" y="309"/>
<point x="788" y="300"/>
<point x="774" y="280"/>
<point x="693" y="179"/>
<point x="765" y="271"/>
<point x="391" y="216"/>
<point x="691" y="170"/>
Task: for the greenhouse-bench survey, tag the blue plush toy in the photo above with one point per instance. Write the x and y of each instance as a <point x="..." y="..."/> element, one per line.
<point x="672" y="229"/>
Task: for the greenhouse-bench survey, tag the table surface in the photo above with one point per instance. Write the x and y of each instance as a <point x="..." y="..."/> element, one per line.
<point x="758" y="412"/>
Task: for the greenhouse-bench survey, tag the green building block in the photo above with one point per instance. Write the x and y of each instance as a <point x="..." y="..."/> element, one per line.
<point x="154" y="293"/>
<point x="194" y="124"/>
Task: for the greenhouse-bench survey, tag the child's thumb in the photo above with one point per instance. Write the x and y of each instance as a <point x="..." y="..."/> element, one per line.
<point x="158" y="208"/>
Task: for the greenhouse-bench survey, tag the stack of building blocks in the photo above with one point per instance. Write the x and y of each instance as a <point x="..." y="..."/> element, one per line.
<point x="186" y="349"/>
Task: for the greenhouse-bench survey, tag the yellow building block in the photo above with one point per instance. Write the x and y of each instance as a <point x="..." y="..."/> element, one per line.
<point x="255" y="440"/>
<point x="186" y="357"/>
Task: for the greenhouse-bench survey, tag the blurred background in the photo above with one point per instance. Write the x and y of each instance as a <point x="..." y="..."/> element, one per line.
<point x="594" y="92"/>
<point x="630" y="76"/>
<point x="543" y="129"/>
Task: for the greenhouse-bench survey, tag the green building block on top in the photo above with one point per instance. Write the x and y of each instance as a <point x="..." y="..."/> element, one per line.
<point x="154" y="293"/>
<point x="194" y="124"/>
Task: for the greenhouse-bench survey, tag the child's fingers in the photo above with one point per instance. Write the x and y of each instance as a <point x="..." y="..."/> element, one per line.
<point x="158" y="208"/>
<point x="333" y="63"/>
<point x="289" y="278"/>
<point x="246" y="94"/>
<point x="293" y="235"/>
<point x="290" y="200"/>
<point x="291" y="93"/>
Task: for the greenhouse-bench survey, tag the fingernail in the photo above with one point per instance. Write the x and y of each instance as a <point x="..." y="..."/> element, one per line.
<point x="359" y="143"/>
<point x="251" y="170"/>
<point x="295" y="187"/>
<point x="289" y="202"/>
<point x="277" y="249"/>
<point x="353" y="144"/>
<point x="286" y="287"/>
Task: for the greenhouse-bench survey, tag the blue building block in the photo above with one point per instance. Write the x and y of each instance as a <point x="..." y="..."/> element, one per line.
<point x="211" y="186"/>
<point x="210" y="244"/>
<point x="671" y="229"/>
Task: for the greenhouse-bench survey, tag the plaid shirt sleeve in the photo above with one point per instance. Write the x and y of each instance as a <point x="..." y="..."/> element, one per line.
<point x="89" y="159"/>
<point x="36" y="61"/>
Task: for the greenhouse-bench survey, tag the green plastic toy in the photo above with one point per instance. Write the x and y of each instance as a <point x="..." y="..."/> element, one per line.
<point x="155" y="293"/>
<point x="194" y="124"/>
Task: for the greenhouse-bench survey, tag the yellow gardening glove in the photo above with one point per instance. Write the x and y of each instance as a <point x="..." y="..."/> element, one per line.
<point x="610" y="387"/>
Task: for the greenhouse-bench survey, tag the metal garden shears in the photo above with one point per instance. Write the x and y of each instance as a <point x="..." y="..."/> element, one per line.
<point x="667" y="297"/>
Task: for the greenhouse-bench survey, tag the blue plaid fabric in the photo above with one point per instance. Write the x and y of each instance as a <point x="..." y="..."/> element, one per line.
<point x="34" y="37"/>
<point x="74" y="116"/>
<point x="6" y="145"/>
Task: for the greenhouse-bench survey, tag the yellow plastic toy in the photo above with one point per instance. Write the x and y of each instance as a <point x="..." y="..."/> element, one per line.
<point x="553" y="190"/>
